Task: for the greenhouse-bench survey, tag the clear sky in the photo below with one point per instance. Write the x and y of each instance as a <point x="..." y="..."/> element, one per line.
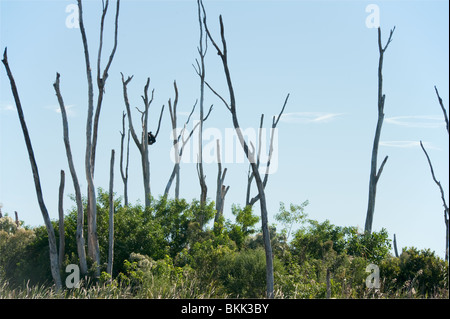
<point x="321" y="52"/>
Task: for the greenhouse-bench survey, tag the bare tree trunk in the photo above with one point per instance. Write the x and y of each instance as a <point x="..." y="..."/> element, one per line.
<point x="231" y="106"/>
<point x="221" y="189"/>
<point x="16" y="215"/>
<point x="143" y="143"/>
<point x="109" y="268"/>
<point x="80" y="213"/>
<point x="61" y="219"/>
<point x="54" y="266"/>
<point x="395" y="246"/>
<point x="201" y="73"/>
<point x="102" y="76"/>
<point x="374" y="175"/>
<point x="123" y="173"/>
<point x="93" y="247"/>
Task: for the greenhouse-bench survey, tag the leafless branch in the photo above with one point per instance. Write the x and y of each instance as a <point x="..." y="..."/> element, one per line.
<point x="438" y="183"/>
<point x="442" y="107"/>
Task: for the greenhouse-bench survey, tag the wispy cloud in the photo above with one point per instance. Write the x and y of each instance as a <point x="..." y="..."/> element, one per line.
<point x="7" y="107"/>
<point x="407" y="144"/>
<point x="69" y="109"/>
<point x="416" y="121"/>
<point x="309" y="117"/>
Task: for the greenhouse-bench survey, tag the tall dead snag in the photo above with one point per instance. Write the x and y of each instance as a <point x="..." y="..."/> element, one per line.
<point x="250" y="154"/>
<point x="147" y="138"/>
<point x="253" y="200"/>
<point x="78" y="199"/>
<point x="124" y="173"/>
<point x="200" y="70"/>
<point x="61" y="218"/>
<point x="374" y="175"/>
<point x="221" y="189"/>
<point x="91" y="128"/>
<point x="109" y="267"/>
<point x="54" y="264"/>
<point x="438" y="183"/>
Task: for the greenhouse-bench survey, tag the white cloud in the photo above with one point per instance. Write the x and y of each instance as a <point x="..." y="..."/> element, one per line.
<point x="406" y="144"/>
<point x="417" y="121"/>
<point x="7" y="107"/>
<point x="309" y="117"/>
<point x="69" y="109"/>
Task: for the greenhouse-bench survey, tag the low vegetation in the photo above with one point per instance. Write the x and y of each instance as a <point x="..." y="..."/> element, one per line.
<point x="162" y="252"/>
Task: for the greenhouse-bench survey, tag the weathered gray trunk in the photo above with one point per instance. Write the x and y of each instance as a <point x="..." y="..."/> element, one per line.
<point x="221" y="191"/>
<point x="124" y="173"/>
<point x="374" y="175"/>
<point x="54" y="263"/>
<point x="142" y="144"/>
<point x="78" y="199"/>
<point x="395" y="246"/>
<point x="61" y="219"/>
<point x="109" y="268"/>
<point x="93" y="247"/>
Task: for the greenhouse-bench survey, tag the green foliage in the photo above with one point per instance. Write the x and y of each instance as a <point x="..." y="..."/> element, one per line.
<point x="295" y="215"/>
<point x="415" y="273"/>
<point x="375" y="246"/>
<point x="243" y="273"/>
<point x="14" y="252"/>
<point x="244" y="226"/>
<point x="167" y="250"/>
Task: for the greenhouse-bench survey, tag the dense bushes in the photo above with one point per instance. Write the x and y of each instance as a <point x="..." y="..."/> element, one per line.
<point x="172" y="249"/>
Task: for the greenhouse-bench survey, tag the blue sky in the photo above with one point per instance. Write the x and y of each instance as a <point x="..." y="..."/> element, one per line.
<point x="321" y="52"/>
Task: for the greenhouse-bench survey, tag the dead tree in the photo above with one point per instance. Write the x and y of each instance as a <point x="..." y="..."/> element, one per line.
<point x="222" y="190"/>
<point x="61" y="218"/>
<point x="78" y="199"/>
<point x="253" y="200"/>
<point x="109" y="267"/>
<point x="143" y="143"/>
<point x="179" y="141"/>
<point x="250" y="154"/>
<point x="200" y="70"/>
<point x="54" y="265"/>
<point x="92" y="127"/>
<point x="124" y="173"/>
<point x="374" y="175"/>
<point x="438" y="183"/>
